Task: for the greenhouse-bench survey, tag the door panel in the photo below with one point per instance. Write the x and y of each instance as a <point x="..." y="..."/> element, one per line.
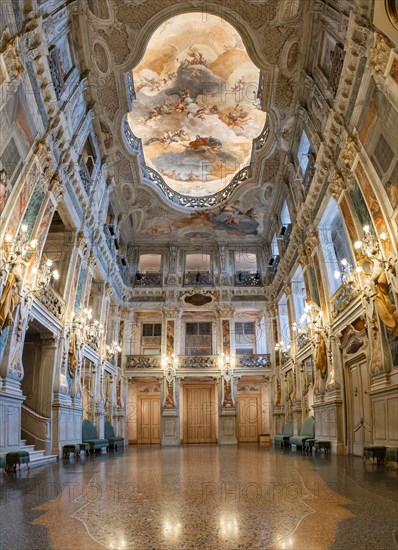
<point x="249" y="418"/>
<point x="361" y="423"/>
<point x="198" y="415"/>
<point x="149" y="421"/>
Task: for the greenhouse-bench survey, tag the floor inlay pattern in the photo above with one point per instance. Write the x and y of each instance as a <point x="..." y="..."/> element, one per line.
<point x="205" y="496"/>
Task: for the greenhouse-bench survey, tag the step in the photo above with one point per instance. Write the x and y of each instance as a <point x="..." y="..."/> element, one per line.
<point x="42" y="460"/>
<point x="23" y="442"/>
<point x="29" y="448"/>
<point x="36" y="454"/>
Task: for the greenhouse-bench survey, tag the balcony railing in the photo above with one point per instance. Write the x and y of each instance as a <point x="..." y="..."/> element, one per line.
<point x="198" y="362"/>
<point x="253" y="361"/>
<point x="344" y="296"/>
<point x="52" y="301"/>
<point x="143" y="362"/>
<point x="147" y="280"/>
<point x="248" y="279"/>
<point x="200" y="278"/>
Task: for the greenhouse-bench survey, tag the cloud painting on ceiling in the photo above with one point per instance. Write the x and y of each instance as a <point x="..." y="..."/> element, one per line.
<point x="195" y="109"/>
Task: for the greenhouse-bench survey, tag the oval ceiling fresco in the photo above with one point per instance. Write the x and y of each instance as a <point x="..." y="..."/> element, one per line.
<point x="196" y="109"/>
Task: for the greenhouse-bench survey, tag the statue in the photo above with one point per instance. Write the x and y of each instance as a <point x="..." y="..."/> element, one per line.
<point x="169" y="401"/>
<point x="278" y="392"/>
<point x="227" y="394"/>
<point x="73" y="361"/>
<point x="379" y="287"/>
<point x="321" y="362"/>
<point x="10" y="297"/>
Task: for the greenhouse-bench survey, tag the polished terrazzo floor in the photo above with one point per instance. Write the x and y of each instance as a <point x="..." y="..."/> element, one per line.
<point x="196" y="497"/>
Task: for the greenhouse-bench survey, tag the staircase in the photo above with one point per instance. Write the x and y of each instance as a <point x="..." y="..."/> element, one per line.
<point x="37" y="458"/>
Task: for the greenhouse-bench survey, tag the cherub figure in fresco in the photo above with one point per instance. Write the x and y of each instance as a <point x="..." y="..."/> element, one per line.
<point x="240" y="85"/>
<point x="197" y="57"/>
<point x="237" y="117"/>
<point x="206" y="110"/>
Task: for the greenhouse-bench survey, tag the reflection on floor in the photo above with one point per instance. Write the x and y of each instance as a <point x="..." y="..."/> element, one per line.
<point x="198" y="497"/>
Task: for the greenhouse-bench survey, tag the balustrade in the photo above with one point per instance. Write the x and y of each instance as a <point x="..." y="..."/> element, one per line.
<point x="201" y="278"/>
<point x="251" y="361"/>
<point x="52" y="301"/>
<point x="148" y="280"/>
<point x="143" y="362"/>
<point x="248" y="279"/>
<point x="198" y="362"/>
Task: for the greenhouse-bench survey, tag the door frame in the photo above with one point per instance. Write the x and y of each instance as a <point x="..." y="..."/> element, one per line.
<point x="213" y="412"/>
<point x="360" y="359"/>
<point x="257" y="395"/>
<point x="139" y="419"/>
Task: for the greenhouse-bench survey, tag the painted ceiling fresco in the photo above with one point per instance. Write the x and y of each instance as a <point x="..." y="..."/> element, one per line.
<point x="196" y="110"/>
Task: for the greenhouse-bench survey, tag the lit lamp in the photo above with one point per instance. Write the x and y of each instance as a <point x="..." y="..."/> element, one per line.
<point x="17" y="251"/>
<point x="112" y="349"/>
<point x="370" y="245"/>
<point x="45" y="274"/>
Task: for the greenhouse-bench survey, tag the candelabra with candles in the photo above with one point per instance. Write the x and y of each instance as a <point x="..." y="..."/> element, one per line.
<point x="112" y="349"/>
<point x="90" y="330"/>
<point x="18" y="250"/>
<point x="45" y="274"/>
<point x="370" y="245"/>
<point x="284" y="349"/>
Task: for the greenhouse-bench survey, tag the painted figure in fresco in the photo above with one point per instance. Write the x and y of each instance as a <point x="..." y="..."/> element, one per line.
<point x="379" y="287"/>
<point x="10" y="297"/>
<point x="321" y="362"/>
<point x="3" y="189"/>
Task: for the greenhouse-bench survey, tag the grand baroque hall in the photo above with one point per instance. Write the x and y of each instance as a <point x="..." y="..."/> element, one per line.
<point x="199" y="274"/>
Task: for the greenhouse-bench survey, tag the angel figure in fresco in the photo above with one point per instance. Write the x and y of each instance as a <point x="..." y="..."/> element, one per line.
<point x="237" y="117"/>
<point x="197" y="58"/>
<point x="10" y="297"/>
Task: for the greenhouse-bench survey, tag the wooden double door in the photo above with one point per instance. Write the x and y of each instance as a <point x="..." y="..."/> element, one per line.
<point x="199" y="414"/>
<point x="359" y="417"/>
<point x="148" y="420"/>
<point x="249" y="418"/>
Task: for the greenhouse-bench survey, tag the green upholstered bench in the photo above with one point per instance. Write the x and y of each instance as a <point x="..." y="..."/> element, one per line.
<point x="73" y="448"/>
<point x="90" y="436"/>
<point x="15" y="458"/>
<point x="84" y="447"/>
<point x="113" y="440"/>
<point x="391" y="455"/>
<point x="2" y="461"/>
<point x="286" y="434"/>
<point x="308" y="445"/>
<point x="377" y="452"/>
<point x="322" y="444"/>
<point x="307" y="432"/>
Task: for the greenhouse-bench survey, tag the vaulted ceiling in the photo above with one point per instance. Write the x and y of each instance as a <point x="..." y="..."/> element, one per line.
<point x="125" y="77"/>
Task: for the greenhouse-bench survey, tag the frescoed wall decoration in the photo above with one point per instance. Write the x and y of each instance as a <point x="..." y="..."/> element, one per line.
<point x="196" y="110"/>
<point x="33" y="209"/>
<point x="79" y="288"/>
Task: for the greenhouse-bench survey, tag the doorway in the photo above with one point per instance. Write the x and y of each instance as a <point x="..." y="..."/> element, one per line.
<point x="359" y="419"/>
<point x="199" y="414"/>
<point x="249" y="418"/>
<point x="149" y="420"/>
